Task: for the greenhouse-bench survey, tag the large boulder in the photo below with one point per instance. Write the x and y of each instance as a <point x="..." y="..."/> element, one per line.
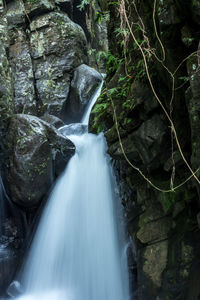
<point x="83" y="86"/>
<point x="33" y="144"/>
<point x="74" y="129"/>
<point x="58" y="45"/>
<point x="53" y="120"/>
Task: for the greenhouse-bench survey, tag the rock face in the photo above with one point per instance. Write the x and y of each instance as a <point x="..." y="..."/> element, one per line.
<point x="53" y="120"/>
<point x="42" y="71"/>
<point x="83" y="86"/>
<point x="163" y="223"/>
<point x="33" y="143"/>
<point x="12" y="234"/>
<point x="54" y="34"/>
<point x="6" y="82"/>
<point x="74" y="128"/>
<point x="22" y="71"/>
<point x="43" y="43"/>
<point x="11" y="242"/>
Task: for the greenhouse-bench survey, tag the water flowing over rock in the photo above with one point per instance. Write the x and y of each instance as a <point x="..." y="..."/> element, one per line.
<point x="33" y="143"/>
<point x="14" y="289"/>
<point x="83" y="86"/>
<point x="74" y="129"/>
<point x="41" y="44"/>
<point x="85" y="239"/>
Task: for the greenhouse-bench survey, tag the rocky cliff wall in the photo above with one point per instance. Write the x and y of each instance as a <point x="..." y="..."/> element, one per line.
<point x="46" y="48"/>
<point x="149" y="111"/>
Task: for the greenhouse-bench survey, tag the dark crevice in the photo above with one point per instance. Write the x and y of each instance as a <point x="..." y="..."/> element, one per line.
<point x="79" y="17"/>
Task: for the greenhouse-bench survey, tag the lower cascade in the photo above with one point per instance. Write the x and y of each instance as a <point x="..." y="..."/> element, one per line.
<point x="77" y="251"/>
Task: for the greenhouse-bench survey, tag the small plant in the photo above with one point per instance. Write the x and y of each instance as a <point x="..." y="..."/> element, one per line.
<point x="102" y="16"/>
<point x="83" y="4"/>
<point x="99" y="107"/>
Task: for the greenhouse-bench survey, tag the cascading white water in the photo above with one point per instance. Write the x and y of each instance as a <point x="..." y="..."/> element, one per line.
<point x="76" y="254"/>
<point x="86" y="116"/>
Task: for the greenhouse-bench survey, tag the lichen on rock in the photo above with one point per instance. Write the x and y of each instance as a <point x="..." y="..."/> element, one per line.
<point x="33" y="144"/>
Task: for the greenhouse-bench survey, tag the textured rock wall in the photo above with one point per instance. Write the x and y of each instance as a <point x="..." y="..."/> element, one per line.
<point x="43" y="45"/>
<point x="164" y="227"/>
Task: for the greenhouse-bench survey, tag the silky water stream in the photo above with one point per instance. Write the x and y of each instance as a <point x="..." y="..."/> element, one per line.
<point x="76" y="253"/>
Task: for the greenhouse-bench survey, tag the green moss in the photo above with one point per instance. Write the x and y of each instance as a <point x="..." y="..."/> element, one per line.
<point x="168" y="200"/>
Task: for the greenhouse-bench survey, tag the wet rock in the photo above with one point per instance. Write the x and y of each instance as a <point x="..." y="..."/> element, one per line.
<point x="52" y="120"/>
<point x="168" y="14"/>
<point x="1" y="6"/>
<point x="194" y="282"/>
<point x="58" y="45"/>
<point x="8" y="263"/>
<point x="75" y="128"/>
<point x="195" y="9"/>
<point x="144" y="144"/>
<point x="6" y="84"/>
<point x="55" y="33"/>
<point x="83" y="86"/>
<point x="14" y="289"/>
<point x="178" y="208"/>
<point x="22" y="71"/>
<point x="144" y="98"/>
<point x="37" y="7"/>
<point x="33" y="143"/>
<point x="98" y="41"/>
<point x="187" y="256"/>
<point x="66" y="6"/>
<point x="198" y="219"/>
<point x="15" y="13"/>
<point x="131" y="151"/>
<point x="154" y="231"/>
<point x="155" y="261"/>
<point x="11" y="240"/>
<point x="193" y="105"/>
<point x="166" y="239"/>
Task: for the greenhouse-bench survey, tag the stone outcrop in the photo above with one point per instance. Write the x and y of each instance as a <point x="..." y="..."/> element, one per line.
<point x="33" y="145"/>
<point x="83" y="86"/>
<point x="58" y="45"/>
<point x="22" y="72"/>
<point x="163" y="224"/>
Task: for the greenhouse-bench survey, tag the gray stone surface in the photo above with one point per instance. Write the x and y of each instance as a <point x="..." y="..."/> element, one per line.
<point x="83" y="86"/>
<point x="33" y="144"/>
<point x="58" y="45"/>
<point x="22" y="72"/>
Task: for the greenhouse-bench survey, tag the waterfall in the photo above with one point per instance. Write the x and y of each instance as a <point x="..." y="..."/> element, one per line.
<point x="76" y="253"/>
